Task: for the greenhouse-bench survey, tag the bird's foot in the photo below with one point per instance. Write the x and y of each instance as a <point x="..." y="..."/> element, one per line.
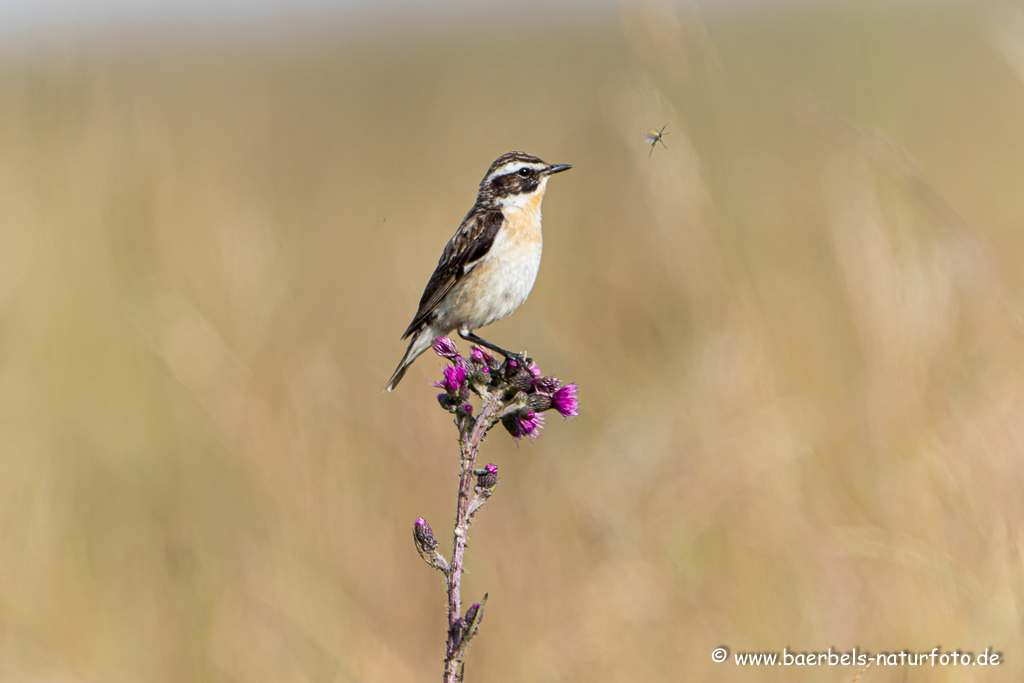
<point x="521" y="359"/>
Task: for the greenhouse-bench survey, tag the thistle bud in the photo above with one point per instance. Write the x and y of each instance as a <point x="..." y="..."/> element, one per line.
<point x="548" y="385"/>
<point x="424" y="536"/>
<point x="488" y="479"/>
<point x="484" y="357"/>
<point x="479" y="373"/>
<point x="509" y="369"/>
<point x="447" y="401"/>
<point x="522" y="381"/>
<point x="474" y="615"/>
<point x="539" y="402"/>
<point x="472" y="612"/>
<point x="426" y="545"/>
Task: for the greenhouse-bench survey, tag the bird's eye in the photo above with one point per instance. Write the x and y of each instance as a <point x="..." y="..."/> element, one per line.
<point x="524" y="172"/>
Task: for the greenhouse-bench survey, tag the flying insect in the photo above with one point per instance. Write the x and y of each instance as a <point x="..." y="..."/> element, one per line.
<point x="653" y="137"/>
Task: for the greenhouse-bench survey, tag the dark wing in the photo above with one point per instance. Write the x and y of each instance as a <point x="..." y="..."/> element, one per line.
<point x="470" y="243"/>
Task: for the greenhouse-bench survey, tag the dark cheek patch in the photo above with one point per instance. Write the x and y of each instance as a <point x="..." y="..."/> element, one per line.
<point x="505" y="185"/>
<point x="512" y="183"/>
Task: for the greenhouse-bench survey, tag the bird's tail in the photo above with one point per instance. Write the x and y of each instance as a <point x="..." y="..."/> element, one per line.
<point x="420" y="342"/>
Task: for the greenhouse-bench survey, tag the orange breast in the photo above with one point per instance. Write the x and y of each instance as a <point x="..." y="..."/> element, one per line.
<point x="523" y="224"/>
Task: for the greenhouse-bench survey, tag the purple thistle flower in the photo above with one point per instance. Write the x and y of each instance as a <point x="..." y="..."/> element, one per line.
<point x="526" y="423"/>
<point x="534" y="369"/>
<point x="491" y="468"/>
<point x="467" y="408"/>
<point x="531" y="424"/>
<point x="476" y="367"/>
<point x="565" y="401"/>
<point x="446" y="348"/>
<point x="454" y="377"/>
<point x="483" y="356"/>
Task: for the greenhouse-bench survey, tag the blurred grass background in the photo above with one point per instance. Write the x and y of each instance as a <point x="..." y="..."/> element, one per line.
<point x="797" y="333"/>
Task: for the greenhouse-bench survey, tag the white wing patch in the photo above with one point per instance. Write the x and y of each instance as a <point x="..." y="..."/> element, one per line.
<point x="472" y="264"/>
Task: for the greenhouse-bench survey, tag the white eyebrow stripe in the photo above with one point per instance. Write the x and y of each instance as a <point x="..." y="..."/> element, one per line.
<point x="514" y="167"/>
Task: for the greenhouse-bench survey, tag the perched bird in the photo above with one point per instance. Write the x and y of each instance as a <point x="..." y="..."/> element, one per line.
<point x="653" y="137"/>
<point x="489" y="265"/>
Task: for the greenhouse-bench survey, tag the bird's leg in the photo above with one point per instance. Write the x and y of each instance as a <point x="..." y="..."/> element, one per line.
<point x="517" y="357"/>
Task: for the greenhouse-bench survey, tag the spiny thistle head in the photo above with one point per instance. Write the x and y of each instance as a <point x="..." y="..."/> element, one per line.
<point x="517" y="382"/>
<point x="547" y="385"/>
<point x="564" y="400"/>
<point x="454" y="378"/>
<point x="523" y="423"/>
<point x="520" y="381"/>
<point x="424" y="535"/>
<point x="483" y="357"/>
<point x="539" y="402"/>
<point x="489" y="478"/>
<point x="446" y="348"/>
<point x="472" y="612"/>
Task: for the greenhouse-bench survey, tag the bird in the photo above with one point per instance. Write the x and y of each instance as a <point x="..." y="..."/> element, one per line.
<point x="488" y="267"/>
<point x="653" y="137"/>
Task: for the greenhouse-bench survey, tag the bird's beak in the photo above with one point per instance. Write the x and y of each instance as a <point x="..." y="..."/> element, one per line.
<point x="557" y="168"/>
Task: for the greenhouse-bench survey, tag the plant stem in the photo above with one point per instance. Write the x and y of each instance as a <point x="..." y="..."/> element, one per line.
<point x="470" y="437"/>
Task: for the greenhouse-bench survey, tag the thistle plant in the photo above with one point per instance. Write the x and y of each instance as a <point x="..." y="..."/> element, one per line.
<point x="514" y="393"/>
